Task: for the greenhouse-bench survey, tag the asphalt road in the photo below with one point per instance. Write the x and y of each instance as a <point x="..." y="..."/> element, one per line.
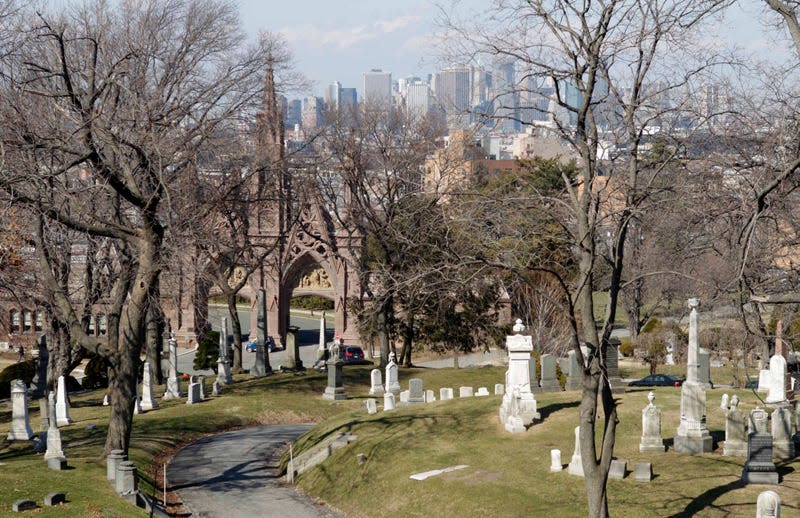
<point x="235" y="475"/>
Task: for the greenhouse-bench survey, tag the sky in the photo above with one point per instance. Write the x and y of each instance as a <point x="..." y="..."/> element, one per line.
<point x="342" y="39"/>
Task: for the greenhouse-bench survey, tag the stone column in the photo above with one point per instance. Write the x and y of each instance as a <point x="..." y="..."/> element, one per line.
<point x="262" y="366"/>
<point x="694" y="342"/>
<point x="112" y="461"/>
<point x="173" y="382"/>
<point x="693" y="436"/>
<point x="54" y="452"/>
<point x="223" y="365"/>
<point x="518" y="382"/>
<point x="292" y="361"/>
<point x="335" y="388"/>
<point x="20" y="422"/>
<point x="62" y="404"/>
<point x="148" y="399"/>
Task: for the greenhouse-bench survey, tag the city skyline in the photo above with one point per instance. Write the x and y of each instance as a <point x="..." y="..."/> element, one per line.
<point x="342" y="41"/>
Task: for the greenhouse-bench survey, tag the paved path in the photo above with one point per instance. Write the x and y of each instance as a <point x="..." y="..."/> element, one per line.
<point x="233" y="475"/>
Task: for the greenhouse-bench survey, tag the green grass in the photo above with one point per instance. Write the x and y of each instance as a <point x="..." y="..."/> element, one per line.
<point x="508" y="475"/>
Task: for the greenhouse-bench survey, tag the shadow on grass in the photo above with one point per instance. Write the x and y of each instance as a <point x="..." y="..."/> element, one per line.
<point x="707" y="498"/>
<point x="546" y="411"/>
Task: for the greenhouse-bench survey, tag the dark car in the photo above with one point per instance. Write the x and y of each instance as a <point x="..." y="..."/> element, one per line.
<point x="351" y="354"/>
<point x="657" y="380"/>
<point x="252" y="345"/>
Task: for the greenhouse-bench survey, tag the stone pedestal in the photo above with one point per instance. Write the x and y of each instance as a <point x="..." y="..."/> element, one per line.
<point x="651" y="428"/>
<point x="62" y="404"/>
<point x="518" y="402"/>
<point x="693" y="436"/>
<point x="126" y="479"/>
<point x="173" y="382"/>
<point x="148" y="398"/>
<point x="112" y="461"/>
<point x="20" y="421"/>
<point x="335" y="388"/>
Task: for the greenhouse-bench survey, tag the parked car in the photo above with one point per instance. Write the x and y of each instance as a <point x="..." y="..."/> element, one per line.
<point x="352" y="354"/>
<point x="657" y="380"/>
<point x="252" y="345"/>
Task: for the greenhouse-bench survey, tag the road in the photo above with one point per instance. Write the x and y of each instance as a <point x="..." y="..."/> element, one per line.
<point x="235" y="475"/>
<point x="308" y="338"/>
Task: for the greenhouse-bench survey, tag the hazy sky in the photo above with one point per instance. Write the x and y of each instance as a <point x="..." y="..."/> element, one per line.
<point x="340" y="40"/>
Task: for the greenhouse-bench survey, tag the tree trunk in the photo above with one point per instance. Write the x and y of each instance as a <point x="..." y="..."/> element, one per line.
<point x="122" y="391"/>
<point x="155" y="339"/>
<point x="236" y="327"/>
<point x="383" y="331"/>
<point x="408" y="341"/>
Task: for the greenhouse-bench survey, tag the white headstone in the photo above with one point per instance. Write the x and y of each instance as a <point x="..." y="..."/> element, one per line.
<point x="576" y="464"/>
<point x="173" y="382"/>
<point x="777" y="380"/>
<point x="723" y="404"/>
<point x="372" y="406"/>
<point x="768" y="505"/>
<point x="20" y="421"/>
<point x="429" y="396"/>
<point x="445" y="393"/>
<point x="555" y="461"/>
<point x="499" y="389"/>
<point x="465" y="392"/>
<point x="54" y="450"/>
<point x="404" y="395"/>
<point x="106" y="402"/>
<point x="392" y="383"/>
<point x="193" y="394"/>
<point x="416" y="394"/>
<point x="482" y="391"/>
<point x="376" y="383"/>
<point x="137" y="403"/>
<point x="62" y="404"/>
<point x="735" y="431"/>
<point x="518" y="381"/>
<point x="388" y="402"/>
<point x="148" y="398"/>
<point x="651" y="427"/>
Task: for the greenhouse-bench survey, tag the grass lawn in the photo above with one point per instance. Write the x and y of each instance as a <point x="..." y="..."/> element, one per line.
<point x="508" y="475"/>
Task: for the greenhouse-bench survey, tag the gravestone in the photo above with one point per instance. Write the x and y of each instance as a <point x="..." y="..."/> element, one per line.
<point x="768" y="505"/>
<point x="376" y="383"/>
<point x="292" y="362"/>
<point x="173" y="390"/>
<point x="482" y="391"/>
<point x="54" y="455"/>
<point x="532" y="375"/>
<point x="499" y="389"/>
<point x="106" y="401"/>
<point x="617" y="469"/>
<point x="693" y="436"/>
<point x="777" y="380"/>
<point x="724" y="403"/>
<point x="576" y="464"/>
<point x="549" y="381"/>
<point x="643" y="472"/>
<point x="513" y="421"/>
<point x="223" y="361"/>
<point x="782" y="439"/>
<point x="261" y="367"/>
<point x="445" y="393"/>
<point x="38" y="388"/>
<point x="416" y="393"/>
<point x="44" y="415"/>
<point x="112" y="461"/>
<point x="193" y="394"/>
<point x="735" y="431"/>
<point x="430" y="397"/>
<point x="555" y="461"/>
<point x="23" y="505"/>
<point x="201" y="385"/>
<point x="574" y="372"/>
<point x="465" y="392"/>
<point x="759" y="468"/>
<point x="372" y="406"/>
<point x="759" y="421"/>
<point x="335" y="389"/>
<point x="137" y="403"/>
<point x="388" y="402"/>
<point x="651" y="427"/>
<point x="612" y="366"/>
<point x="518" y="382"/>
<point x="216" y="389"/>
<point x="62" y="404"/>
<point x="404" y="396"/>
<point x="392" y="383"/>
<point x="148" y="398"/>
<point x="52" y="499"/>
<point x="20" y="422"/>
<point x="126" y="480"/>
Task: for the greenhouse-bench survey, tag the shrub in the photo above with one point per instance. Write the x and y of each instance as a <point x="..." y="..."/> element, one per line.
<point x="24" y="371"/>
<point x="626" y="347"/>
<point x="207" y="351"/>
<point x="652" y="325"/>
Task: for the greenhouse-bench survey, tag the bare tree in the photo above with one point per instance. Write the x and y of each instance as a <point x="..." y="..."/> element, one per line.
<point x="114" y="105"/>
<point x="605" y="69"/>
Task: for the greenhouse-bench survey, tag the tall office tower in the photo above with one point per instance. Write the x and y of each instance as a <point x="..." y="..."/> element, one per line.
<point x="480" y="80"/>
<point x="418" y="100"/>
<point x="333" y="95"/>
<point x="506" y="97"/>
<point x="312" y="114"/>
<point x="294" y="111"/>
<point x="453" y="93"/>
<point x="348" y="97"/>
<point x="378" y="87"/>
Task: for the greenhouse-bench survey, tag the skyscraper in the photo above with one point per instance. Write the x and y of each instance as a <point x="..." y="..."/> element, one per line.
<point x="453" y="91"/>
<point x="377" y="87"/>
<point x="418" y="99"/>
<point x="333" y="94"/>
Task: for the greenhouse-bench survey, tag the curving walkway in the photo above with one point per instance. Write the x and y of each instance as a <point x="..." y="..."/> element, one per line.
<point x="234" y="475"/>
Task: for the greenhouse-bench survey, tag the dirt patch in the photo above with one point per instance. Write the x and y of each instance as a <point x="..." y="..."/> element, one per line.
<point x="473" y="477"/>
<point x="285" y="416"/>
